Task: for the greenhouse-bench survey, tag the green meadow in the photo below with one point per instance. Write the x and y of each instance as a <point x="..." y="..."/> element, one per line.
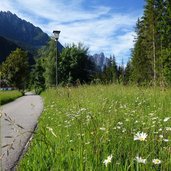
<point x="100" y="128"/>
<point x="8" y="96"/>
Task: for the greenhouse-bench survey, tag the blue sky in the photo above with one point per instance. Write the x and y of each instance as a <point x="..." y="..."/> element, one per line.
<point x="102" y="25"/>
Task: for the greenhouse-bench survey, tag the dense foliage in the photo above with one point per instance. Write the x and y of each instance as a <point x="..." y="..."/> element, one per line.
<point x="151" y="56"/>
<point x="111" y="73"/>
<point x="37" y="79"/>
<point x="47" y="56"/>
<point x="16" y="69"/>
<point x="72" y="64"/>
<point x="75" y="65"/>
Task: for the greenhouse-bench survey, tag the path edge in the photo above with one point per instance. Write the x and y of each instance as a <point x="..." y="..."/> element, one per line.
<point x="25" y="149"/>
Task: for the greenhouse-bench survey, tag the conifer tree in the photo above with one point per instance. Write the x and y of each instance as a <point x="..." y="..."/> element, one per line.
<point x="141" y="63"/>
<point x="151" y="54"/>
<point x="109" y="74"/>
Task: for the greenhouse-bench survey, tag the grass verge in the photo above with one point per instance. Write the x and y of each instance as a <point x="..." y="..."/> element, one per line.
<point x="8" y="96"/>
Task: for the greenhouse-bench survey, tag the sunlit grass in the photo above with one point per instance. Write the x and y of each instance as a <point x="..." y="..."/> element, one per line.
<point x="94" y="128"/>
<point x="8" y="96"/>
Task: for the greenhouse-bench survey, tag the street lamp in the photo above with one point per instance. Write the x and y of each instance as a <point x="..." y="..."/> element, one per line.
<point x="56" y="36"/>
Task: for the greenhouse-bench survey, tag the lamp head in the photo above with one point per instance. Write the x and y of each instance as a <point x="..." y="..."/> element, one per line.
<point x="56" y="34"/>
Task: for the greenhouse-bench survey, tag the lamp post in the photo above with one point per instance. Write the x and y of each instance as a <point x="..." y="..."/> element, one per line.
<point x="56" y="36"/>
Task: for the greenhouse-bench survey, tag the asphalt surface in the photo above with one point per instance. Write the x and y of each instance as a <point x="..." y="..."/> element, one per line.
<point x="18" y="120"/>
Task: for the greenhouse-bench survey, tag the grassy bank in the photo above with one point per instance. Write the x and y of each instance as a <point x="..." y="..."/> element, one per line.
<point x="96" y="128"/>
<point x="8" y="96"/>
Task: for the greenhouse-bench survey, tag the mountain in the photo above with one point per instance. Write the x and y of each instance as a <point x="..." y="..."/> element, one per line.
<point x="7" y="46"/>
<point x="16" y="32"/>
<point x="100" y="60"/>
<point x="21" y="32"/>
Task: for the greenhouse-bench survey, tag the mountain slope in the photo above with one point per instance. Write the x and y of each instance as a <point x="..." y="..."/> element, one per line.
<point x="7" y="46"/>
<point x="21" y="32"/>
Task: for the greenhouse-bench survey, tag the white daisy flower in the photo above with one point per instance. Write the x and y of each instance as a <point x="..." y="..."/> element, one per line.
<point x="108" y="160"/>
<point x="168" y="128"/>
<point x="161" y="136"/>
<point x="141" y="160"/>
<point x="102" y="129"/>
<point x="156" y="161"/>
<point x="120" y="123"/>
<point x="165" y="140"/>
<point x="118" y="127"/>
<point x="166" y="119"/>
<point x="140" y="136"/>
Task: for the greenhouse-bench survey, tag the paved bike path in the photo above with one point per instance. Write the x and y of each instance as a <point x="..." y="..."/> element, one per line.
<point x="19" y="119"/>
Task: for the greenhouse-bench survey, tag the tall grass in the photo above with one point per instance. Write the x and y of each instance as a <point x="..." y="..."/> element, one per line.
<point x="8" y="96"/>
<point x="93" y="128"/>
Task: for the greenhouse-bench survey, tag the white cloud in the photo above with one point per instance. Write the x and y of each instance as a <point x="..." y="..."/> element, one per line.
<point x="100" y="28"/>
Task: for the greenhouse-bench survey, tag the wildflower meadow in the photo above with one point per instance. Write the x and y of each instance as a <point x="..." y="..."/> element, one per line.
<point x="100" y="128"/>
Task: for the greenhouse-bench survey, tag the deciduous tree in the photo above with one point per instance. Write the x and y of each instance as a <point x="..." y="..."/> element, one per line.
<point x="16" y="69"/>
